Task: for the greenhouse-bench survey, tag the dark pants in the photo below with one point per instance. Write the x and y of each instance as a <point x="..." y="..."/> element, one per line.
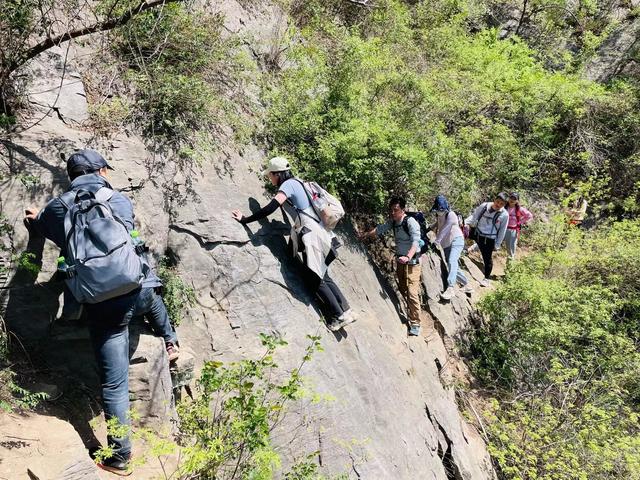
<point x="331" y="297"/>
<point x="150" y="306"/>
<point x="109" y="330"/>
<point x="486" y="246"/>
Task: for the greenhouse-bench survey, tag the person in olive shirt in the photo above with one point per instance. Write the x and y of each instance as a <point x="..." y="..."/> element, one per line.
<point x="407" y="235"/>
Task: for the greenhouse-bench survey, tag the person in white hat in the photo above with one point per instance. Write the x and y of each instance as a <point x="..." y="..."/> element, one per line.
<point x="317" y="247"/>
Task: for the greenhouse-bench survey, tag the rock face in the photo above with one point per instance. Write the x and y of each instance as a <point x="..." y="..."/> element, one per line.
<point x="616" y="51"/>
<point x="394" y="413"/>
<point x="27" y="453"/>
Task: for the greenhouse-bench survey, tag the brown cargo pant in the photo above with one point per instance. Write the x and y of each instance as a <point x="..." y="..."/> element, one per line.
<point x="410" y="283"/>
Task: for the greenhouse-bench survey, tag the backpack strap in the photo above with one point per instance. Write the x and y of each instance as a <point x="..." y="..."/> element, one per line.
<point x="405" y="225"/>
<point x="104" y="194"/>
<point x="302" y="212"/>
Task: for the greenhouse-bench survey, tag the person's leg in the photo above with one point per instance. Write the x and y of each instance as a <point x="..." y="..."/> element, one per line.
<point x="337" y="293"/>
<point x="486" y="249"/>
<point x="510" y="238"/>
<point x="109" y="331"/>
<point x="159" y="318"/>
<point x="455" y="250"/>
<point x="414" y="285"/>
<point x="111" y="348"/>
<point x="401" y="274"/>
<point x="329" y="300"/>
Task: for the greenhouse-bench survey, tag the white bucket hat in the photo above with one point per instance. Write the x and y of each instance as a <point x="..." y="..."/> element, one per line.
<point x="277" y="164"/>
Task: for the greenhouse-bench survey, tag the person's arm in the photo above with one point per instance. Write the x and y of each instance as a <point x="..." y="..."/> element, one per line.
<point x="123" y="209"/>
<point x="473" y="219"/>
<point x="503" y="230"/>
<point x="264" y="212"/>
<point x="47" y="221"/>
<point x="451" y="220"/>
<point x="527" y="216"/>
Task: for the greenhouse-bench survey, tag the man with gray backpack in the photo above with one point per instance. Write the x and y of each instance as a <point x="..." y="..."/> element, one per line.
<point x="90" y="223"/>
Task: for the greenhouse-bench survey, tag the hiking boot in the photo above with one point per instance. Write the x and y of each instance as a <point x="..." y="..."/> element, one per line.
<point x="468" y="289"/>
<point x="448" y="294"/>
<point x="347" y="317"/>
<point x="335" y="325"/>
<point x="473" y="248"/>
<point x="485" y="282"/>
<point x="414" y="330"/>
<point x="172" y="351"/>
<point x="117" y="465"/>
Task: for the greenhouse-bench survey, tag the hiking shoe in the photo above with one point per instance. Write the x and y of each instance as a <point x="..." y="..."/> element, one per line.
<point x="473" y="248"/>
<point x="335" y="325"/>
<point x="347" y="317"/>
<point x="485" y="282"/>
<point x="468" y="289"/>
<point x="414" y="330"/>
<point x="172" y="351"/>
<point x="117" y="465"/>
<point x="448" y="294"/>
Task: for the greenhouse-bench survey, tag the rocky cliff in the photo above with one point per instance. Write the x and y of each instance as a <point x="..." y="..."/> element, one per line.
<point x="394" y="413"/>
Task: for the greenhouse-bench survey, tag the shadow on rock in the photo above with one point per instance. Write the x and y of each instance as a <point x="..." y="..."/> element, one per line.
<point x="20" y="161"/>
<point x="52" y="356"/>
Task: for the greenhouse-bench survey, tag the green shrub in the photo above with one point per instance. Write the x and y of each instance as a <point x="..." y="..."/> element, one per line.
<point x="225" y="431"/>
<point x="177" y="295"/>
<point x="397" y="104"/>
<point x="183" y="75"/>
<point x="559" y="351"/>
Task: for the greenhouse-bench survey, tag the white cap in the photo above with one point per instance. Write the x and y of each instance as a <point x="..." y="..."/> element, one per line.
<point x="277" y="164"/>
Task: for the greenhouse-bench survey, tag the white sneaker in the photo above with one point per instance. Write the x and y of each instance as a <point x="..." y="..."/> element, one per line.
<point x="485" y="282"/>
<point x="473" y="248"/>
<point x="468" y="289"/>
<point x="448" y="294"/>
<point x="347" y="317"/>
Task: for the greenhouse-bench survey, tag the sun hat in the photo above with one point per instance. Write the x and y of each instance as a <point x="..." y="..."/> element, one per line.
<point x="277" y="164"/>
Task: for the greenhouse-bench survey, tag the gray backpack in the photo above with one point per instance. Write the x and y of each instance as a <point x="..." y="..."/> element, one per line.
<point x="101" y="258"/>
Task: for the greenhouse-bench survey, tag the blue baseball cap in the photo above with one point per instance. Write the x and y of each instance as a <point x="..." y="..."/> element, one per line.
<point x="86" y="161"/>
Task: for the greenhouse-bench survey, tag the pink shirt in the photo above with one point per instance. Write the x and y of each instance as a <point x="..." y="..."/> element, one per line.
<point x="524" y="215"/>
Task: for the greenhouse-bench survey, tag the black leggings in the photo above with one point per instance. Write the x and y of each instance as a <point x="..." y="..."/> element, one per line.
<point x="331" y="297"/>
<point x="486" y="246"/>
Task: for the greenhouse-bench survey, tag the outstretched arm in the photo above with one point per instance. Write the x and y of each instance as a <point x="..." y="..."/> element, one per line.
<point x="264" y="212"/>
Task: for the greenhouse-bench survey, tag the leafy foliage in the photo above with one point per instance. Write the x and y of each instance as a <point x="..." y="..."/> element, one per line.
<point x="423" y="98"/>
<point x="177" y="295"/>
<point x="224" y="433"/>
<point x="182" y="73"/>
<point x="560" y="349"/>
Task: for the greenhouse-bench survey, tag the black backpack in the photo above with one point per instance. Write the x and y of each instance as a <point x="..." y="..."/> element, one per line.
<point x="424" y="228"/>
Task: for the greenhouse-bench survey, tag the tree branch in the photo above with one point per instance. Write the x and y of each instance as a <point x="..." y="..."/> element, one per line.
<point x="81" y="32"/>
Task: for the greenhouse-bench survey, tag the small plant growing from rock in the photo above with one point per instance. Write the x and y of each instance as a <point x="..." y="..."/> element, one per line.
<point x="225" y="432"/>
<point x="176" y="294"/>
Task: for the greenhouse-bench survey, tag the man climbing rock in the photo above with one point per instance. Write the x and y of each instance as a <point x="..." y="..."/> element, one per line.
<point x="407" y="235"/>
<point x="109" y="302"/>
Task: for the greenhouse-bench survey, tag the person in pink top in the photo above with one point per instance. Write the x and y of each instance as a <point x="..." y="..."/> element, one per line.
<point x="518" y="217"/>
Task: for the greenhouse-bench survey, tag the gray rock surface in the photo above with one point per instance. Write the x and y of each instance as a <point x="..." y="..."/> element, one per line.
<point x="616" y="51"/>
<point x="26" y="452"/>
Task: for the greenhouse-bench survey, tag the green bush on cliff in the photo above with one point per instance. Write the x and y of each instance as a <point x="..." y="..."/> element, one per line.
<point x="420" y="99"/>
<point x="225" y="431"/>
<point x="559" y="349"/>
<point x="183" y="75"/>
